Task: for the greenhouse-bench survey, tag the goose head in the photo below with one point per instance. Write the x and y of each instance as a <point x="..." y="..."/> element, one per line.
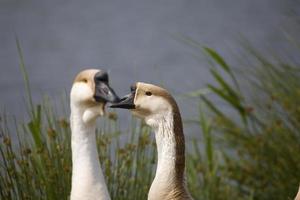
<point x="147" y="101"/>
<point x="91" y="91"/>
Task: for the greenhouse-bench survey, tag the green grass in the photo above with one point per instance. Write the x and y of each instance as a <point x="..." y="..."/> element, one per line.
<point x="251" y="154"/>
<point x="261" y="141"/>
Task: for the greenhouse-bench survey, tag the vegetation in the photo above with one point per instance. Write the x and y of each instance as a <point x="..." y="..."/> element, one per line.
<point x="251" y="154"/>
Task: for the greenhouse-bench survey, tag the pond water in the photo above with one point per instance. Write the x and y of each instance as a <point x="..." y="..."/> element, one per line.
<point x="134" y="40"/>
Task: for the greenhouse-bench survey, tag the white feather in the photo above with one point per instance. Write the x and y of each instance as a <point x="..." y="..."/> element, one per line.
<point x="88" y="182"/>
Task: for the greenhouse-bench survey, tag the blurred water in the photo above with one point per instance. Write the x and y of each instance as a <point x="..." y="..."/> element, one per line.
<point x="131" y="39"/>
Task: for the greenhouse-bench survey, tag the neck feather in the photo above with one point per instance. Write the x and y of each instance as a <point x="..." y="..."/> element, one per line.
<point x="87" y="177"/>
<point x="169" y="181"/>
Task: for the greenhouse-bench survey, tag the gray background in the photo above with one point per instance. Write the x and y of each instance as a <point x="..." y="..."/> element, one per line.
<point x="132" y="39"/>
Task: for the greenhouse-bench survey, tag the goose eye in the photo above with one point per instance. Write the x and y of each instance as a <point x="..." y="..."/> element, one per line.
<point x="84" y="80"/>
<point x="148" y="93"/>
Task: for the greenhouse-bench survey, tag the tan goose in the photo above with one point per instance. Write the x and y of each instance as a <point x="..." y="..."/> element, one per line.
<point x="160" y="111"/>
<point x="89" y="93"/>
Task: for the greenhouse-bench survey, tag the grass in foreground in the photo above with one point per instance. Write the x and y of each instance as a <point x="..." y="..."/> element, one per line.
<point x="253" y="154"/>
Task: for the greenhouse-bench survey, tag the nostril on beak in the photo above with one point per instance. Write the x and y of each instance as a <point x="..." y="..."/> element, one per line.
<point x="123" y="98"/>
<point x="105" y="91"/>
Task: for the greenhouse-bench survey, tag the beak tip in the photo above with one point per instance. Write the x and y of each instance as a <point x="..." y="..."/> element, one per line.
<point x="116" y="100"/>
<point x="127" y="102"/>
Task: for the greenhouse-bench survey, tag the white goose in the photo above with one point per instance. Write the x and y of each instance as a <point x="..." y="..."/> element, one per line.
<point x="160" y="111"/>
<point x="89" y="93"/>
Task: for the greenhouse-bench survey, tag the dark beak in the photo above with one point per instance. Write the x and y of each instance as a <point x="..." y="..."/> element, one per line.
<point x="104" y="93"/>
<point x="127" y="102"/>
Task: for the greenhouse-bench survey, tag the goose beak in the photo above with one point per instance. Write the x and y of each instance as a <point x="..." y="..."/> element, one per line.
<point x="127" y="102"/>
<point x="103" y="92"/>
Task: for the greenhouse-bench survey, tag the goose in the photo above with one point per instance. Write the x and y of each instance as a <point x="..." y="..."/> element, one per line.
<point x="89" y="93"/>
<point x="159" y="110"/>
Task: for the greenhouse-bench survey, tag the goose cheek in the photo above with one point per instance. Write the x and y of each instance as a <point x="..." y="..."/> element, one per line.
<point x="140" y="112"/>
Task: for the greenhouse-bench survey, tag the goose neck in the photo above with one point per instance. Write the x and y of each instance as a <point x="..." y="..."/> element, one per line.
<point x="171" y="159"/>
<point x="87" y="177"/>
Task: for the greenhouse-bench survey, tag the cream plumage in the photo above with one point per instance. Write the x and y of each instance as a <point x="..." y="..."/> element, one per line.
<point x="160" y="111"/>
<point x="89" y="93"/>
